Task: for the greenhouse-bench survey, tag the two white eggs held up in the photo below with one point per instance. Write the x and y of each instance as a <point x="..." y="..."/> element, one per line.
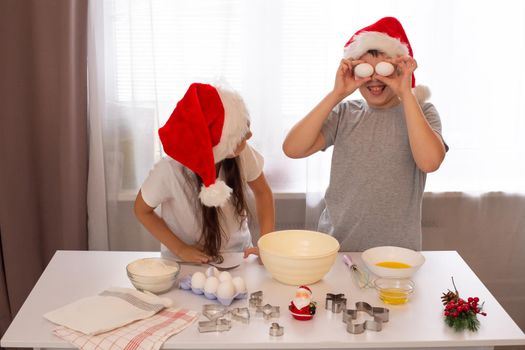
<point x="364" y="70"/>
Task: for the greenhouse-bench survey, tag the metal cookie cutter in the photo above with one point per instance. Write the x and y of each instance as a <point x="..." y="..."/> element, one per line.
<point x="380" y="315"/>
<point x="276" y="330"/>
<point x="213" y="311"/>
<point x="218" y="325"/>
<point x="268" y="311"/>
<point x="241" y="314"/>
<point x="335" y="302"/>
<point x="256" y="299"/>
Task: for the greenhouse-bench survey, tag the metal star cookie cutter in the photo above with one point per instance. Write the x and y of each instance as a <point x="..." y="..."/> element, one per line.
<point x="241" y="314"/>
<point x="214" y="311"/>
<point x="218" y="325"/>
<point x="276" y="330"/>
<point x="256" y="299"/>
<point x="335" y="302"/>
<point x="380" y="315"/>
<point x="268" y="311"/>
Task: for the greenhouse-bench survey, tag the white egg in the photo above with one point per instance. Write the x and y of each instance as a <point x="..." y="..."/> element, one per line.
<point x="240" y="286"/>
<point x="384" y="68"/>
<point x="197" y="280"/>
<point x="211" y="285"/>
<point x="212" y="271"/>
<point x="225" y="276"/>
<point x="363" y="70"/>
<point x="226" y="290"/>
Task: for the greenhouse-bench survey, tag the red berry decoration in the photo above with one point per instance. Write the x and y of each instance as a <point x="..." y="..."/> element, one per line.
<point x="461" y="314"/>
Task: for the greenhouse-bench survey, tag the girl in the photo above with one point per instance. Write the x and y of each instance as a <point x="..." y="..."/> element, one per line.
<point x="201" y="185"/>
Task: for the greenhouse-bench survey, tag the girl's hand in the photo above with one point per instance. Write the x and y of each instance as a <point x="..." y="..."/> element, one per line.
<point x="254" y="251"/>
<point x="192" y="254"/>
<point x="401" y="80"/>
<point x="345" y="80"/>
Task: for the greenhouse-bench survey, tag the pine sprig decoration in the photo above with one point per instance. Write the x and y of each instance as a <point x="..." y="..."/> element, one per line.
<point x="450" y="295"/>
<point x="460" y="314"/>
<point x="463" y="321"/>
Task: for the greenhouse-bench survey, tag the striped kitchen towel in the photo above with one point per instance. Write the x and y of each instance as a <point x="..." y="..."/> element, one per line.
<point x="148" y="334"/>
<point x="113" y="308"/>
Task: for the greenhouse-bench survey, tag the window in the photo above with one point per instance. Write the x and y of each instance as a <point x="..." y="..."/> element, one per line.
<point x="282" y="57"/>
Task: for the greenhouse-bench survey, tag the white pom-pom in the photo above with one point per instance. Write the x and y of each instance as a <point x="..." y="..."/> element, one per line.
<point x="215" y="195"/>
<point x="422" y="93"/>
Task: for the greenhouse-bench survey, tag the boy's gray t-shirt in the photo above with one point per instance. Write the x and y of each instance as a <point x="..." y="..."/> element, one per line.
<point x="376" y="189"/>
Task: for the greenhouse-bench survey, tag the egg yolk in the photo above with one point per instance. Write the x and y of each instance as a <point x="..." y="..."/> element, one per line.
<point x="393" y="265"/>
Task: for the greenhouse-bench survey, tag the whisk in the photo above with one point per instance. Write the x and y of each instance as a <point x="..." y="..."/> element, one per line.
<point x="360" y="277"/>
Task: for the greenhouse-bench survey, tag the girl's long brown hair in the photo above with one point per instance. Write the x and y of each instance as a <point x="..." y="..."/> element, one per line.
<point x="212" y="232"/>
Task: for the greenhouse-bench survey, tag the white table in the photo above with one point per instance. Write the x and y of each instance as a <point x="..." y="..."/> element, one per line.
<point x="72" y="275"/>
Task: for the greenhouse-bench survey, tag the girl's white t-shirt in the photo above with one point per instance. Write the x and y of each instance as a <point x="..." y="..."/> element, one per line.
<point x="180" y="206"/>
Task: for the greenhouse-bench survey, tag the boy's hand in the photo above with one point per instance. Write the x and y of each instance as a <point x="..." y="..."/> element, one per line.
<point x="192" y="254"/>
<point x="345" y="80"/>
<point x="401" y="80"/>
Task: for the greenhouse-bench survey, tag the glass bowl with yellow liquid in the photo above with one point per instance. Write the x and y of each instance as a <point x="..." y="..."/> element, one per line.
<point x="394" y="291"/>
<point x="392" y="262"/>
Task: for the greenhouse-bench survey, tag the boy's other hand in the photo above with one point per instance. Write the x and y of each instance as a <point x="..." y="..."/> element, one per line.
<point x="345" y="80"/>
<point x="401" y="80"/>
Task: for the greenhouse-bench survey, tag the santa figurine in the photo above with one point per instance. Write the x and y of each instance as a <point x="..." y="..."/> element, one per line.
<point x="302" y="307"/>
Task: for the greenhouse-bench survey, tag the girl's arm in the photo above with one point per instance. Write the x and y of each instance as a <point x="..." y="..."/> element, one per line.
<point x="265" y="207"/>
<point x="263" y="203"/>
<point x="160" y="230"/>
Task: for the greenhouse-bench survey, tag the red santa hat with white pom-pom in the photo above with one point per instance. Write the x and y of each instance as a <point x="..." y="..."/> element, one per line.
<point x="205" y="127"/>
<point x="388" y="36"/>
<point x="304" y="290"/>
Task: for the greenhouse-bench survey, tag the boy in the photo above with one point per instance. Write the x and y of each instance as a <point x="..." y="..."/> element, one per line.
<point x="383" y="146"/>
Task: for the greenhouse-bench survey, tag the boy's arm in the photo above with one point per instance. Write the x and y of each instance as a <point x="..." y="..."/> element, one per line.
<point x="305" y="138"/>
<point x="160" y="230"/>
<point x="426" y="145"/>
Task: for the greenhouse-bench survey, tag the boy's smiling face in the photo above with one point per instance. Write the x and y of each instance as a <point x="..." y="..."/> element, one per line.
<point x="376" y="93"/>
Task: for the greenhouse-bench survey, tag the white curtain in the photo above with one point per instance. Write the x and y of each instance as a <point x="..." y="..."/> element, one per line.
<point x="282" y="56"/>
